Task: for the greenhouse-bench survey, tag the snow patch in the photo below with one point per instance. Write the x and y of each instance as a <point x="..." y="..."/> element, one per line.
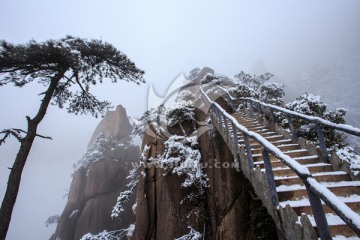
<point x="74" y="213"/>
<point x="192" y="235"/>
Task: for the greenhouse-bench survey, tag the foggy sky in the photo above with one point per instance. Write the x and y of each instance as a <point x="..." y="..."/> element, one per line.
<point x="164" y="38"/>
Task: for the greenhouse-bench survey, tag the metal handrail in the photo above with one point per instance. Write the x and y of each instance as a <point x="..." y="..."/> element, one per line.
<point x="317" y="120"/>
<point x="315" y="190"/>
<point x="319" y="123"/>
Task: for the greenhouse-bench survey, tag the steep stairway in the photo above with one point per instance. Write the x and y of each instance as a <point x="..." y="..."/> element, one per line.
<point x="290" y="189"/>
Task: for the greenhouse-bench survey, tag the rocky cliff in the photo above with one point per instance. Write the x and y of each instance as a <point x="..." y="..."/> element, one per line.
<point x="184" y="192"/>
<point x="187" y="184"/>
<point x="227" y="209"/>
<point x="98" y="179"/>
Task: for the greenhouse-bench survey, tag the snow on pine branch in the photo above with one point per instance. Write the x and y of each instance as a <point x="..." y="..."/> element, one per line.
<point x="125" y="196"/>
<point x="179" y="112"/>
<point x="96" y="151"/>
<point x="111" y="235"/>
<point x="155" y="117"/>
<point x="51" y="220"/>
<point x="192" y="235"/>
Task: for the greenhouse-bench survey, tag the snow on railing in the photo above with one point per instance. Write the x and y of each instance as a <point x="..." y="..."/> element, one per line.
<point x="319" y="123"/>
<point x="317" y="120"/>
<point x="316" y="191"/>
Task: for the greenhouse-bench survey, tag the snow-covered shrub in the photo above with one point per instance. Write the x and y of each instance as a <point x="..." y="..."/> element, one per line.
<point x="182" y="158"/>
<point x="253" y="81"/>
<point x="130" y="230"/>
<point x="256" y="87"/>
<point x="272" y="93"/>
<point x="96" y="151"/>
<point x="192" y="235"/>
<point x="348" y="154"/>
<point x="311" y="105"/>
<point x="242" y="91"/>
<point x="110" y="235"/>
<point x="186" y="95"/>
<point x="181" y="111"/>
<point x="154" y="117"/>
<point x="210" y="78"/>
<point x="125" y="196"/>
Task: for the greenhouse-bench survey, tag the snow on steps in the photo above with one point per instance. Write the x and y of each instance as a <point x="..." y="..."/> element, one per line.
<point x="320" y="177"/>
<point x="290" y="188"/>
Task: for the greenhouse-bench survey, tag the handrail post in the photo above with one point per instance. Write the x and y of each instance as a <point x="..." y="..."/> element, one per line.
<point x="248" y="153"/>
<point x="236" y="138"/>
<point x="323" y="148"/>
<point x="219" y="116"/>
<point x="227" y="129"/>
<point x="213" y="111"/>
<point x="319" y="214"/>
<point x="270" y="178"/>
<point x="236" y="144"/>
<point x="272" y="116"/>
<point x="260" y="108"/>
<point x="294" y="136"/>
<point x="251" y="108"/>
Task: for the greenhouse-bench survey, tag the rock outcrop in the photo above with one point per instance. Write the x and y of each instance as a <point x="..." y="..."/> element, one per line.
<point x="114" y="124"/>
<point x="227" y="209"/>
<point x="98" y="179"/>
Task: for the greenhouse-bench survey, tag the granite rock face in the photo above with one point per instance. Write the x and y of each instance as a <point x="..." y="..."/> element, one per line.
<point x="96" y="185"/>
<point x="228" y="209"/>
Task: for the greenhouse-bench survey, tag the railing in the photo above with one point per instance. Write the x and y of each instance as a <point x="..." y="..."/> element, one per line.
<point x="317" y="121"/>
<point x="316" y="192"/>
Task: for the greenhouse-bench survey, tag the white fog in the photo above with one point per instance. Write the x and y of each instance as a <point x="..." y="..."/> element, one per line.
<point x="310" y="46"/>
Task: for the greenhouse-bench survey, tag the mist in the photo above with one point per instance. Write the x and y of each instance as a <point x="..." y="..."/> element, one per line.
<point x="294" y="40"/>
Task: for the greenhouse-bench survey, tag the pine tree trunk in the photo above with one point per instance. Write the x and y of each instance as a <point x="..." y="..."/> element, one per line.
<point x="13" y="184"/>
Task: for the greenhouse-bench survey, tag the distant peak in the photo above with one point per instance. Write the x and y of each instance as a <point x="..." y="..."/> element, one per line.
<point x="114" y="124"/>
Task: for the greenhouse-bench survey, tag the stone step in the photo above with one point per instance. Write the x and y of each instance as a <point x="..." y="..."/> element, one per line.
<point x="355" y="206"/>
<point x="291" y="189"/>
<point x="249" y="124"/>
<point x="262" y="132"/>
<point x="313" y="168"/>
<point x="341" y="231"/>
<point x="273" y="139"/>
<point x="320" y="177"/>
<point x="298" y="192"/>
<point x="337" y="227"/>
<point x="302" y="160"/>
<point x="276" y="143"/>
<point x="291" y="153"/>
<point x="283" y="147"/>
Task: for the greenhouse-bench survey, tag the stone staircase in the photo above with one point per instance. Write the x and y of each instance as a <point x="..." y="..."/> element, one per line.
<point x="290" y="189"/>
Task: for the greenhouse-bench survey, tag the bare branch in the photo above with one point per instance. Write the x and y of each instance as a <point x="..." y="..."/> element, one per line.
<point x="38" y="135"/>
<point x="16" y="132"/>
<point x="10" y="132"/>
<point x="45" y="137"/>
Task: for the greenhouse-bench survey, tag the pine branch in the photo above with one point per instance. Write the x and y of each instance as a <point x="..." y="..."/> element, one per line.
<point x="16" y="132"/>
